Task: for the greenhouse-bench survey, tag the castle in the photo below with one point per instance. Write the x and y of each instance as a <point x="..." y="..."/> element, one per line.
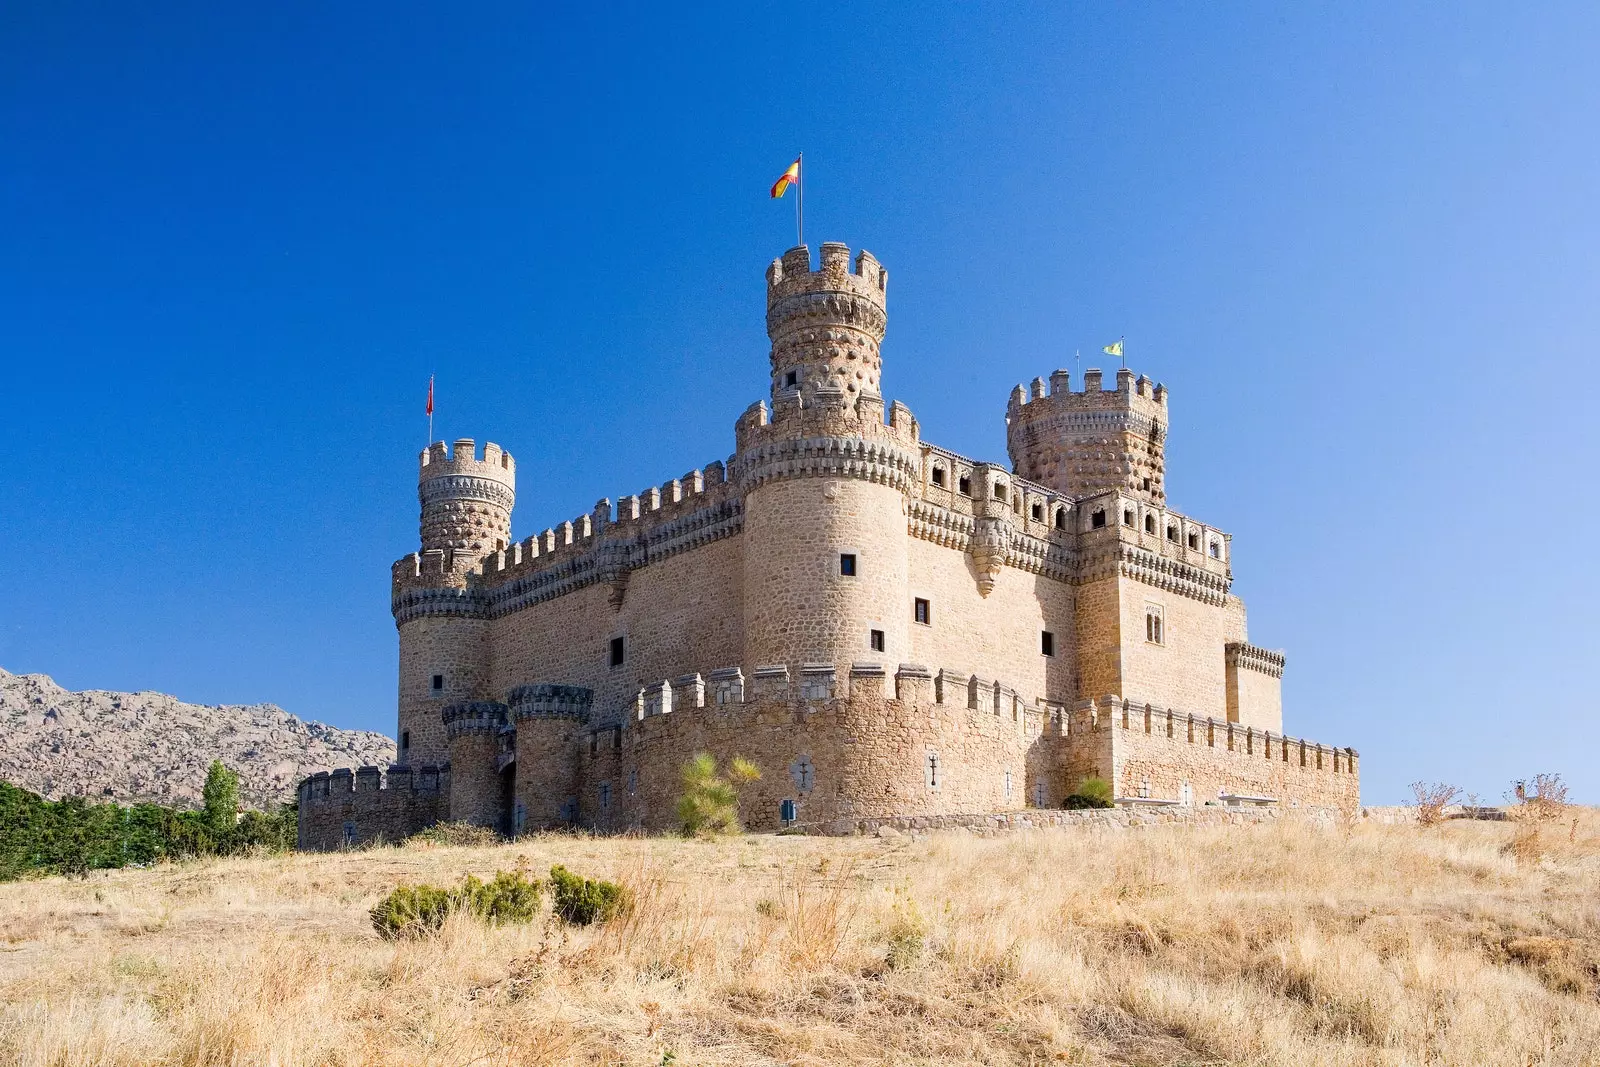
<point x="886" y="628"/>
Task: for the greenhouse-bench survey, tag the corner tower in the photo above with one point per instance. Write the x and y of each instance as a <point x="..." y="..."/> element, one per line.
<point x="826" y="325"/>
<point x="466" y="503"/>
<point x="1084" y="443"/>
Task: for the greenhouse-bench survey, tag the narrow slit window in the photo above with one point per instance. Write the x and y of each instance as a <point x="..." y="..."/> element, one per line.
<point x="618" y="651"/>
<point x="1047" y="643"/>
<point x="920" y="612"/>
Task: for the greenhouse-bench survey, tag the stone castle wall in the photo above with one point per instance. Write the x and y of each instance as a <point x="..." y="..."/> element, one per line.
<point x="346" y="808"/>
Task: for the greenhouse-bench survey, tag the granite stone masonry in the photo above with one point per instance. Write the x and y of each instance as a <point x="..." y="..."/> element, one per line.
<point x="892" y="631"/>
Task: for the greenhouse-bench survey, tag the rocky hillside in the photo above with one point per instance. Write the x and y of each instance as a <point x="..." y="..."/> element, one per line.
<point x="150" y="746"/>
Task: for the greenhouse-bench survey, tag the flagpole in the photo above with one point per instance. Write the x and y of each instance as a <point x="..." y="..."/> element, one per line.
<point x="800" y="201"/>
<point x="1122" y="350"/>
<point x="430" y="410"/>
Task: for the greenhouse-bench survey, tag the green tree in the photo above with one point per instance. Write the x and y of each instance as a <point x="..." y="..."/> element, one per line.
<point x="221" y="801"/>
<point x="710" y="802"/>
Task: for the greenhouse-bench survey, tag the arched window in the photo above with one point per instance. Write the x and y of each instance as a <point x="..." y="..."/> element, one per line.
<point x="1216" y="550"/>
<point x="1038" y="513"/>
<point x="1149" y="524"/>
<point x="1061" y="518"/>
<point x="1172" y="532"/>
<point x="1127" y="517"/>
<point x="1098" y="519"/>
<point x="1194" y="540"/>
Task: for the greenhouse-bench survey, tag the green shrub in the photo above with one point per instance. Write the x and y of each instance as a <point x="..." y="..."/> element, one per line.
<point x="413" y="911"/>
<point x="419" y="910"/>
<point x="709" y="805"/>
<point x="1091" y="793"/>
<point x="582" y="901"/>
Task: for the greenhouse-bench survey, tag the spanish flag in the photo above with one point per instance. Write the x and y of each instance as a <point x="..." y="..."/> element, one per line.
<point x="790" y="176"/>
<point x="1114" y="349"/>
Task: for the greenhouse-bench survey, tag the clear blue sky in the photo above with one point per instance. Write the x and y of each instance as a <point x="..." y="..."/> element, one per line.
<point x="1359" y="244"/>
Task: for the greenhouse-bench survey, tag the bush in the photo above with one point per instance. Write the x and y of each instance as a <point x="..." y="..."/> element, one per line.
<point x="582" y="901"/>
<point x="1091" y="793"/>
<point x="463" y="834"/>
<point x="1543" y="798"/>
<point x="413" y="911"/>
<point x="709" y="805"/>
<point x="1432" y="798"/>
<point x="419" y="910"/>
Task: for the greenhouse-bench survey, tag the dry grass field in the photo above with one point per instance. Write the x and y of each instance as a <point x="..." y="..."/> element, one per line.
<point x="1464" y="944"/>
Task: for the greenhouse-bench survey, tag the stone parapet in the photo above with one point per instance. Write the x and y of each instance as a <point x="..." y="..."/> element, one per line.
<point x="346" y="808"/>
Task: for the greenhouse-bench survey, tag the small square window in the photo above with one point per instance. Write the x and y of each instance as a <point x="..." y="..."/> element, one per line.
<point x="1098" y="519"/>
<point x="617" y="652"/>
<point x="847" y="564"/>
<point x="877" y="640"/>
<point x="965" y="485"/>
<point x="791" y="379"/>
<point x="938" y="476"/>
<point x="438" y="682"/>
<point x="921" y="612"/>
<point x="1047" y="643"/>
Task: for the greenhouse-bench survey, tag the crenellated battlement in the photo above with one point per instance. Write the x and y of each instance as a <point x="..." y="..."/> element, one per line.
<point x="1080" y="442"/>
<point x="440" y="459"/>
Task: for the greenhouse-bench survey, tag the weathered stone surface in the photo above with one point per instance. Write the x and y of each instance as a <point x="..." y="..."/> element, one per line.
<point x="150" y="746"/>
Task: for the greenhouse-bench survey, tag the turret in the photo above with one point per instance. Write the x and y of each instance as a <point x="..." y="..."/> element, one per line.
<point x="1080" y="443"/>
<point x="444" y="653"/>
<point x="466" y="499"/>
<point x="825" y="327"/>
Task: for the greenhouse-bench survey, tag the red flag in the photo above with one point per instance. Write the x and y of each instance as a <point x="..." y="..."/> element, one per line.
<point x="430" y="395"/>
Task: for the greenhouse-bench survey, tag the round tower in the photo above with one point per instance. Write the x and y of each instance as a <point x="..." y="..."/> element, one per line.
<point x="478" y="793"/>
<point x="824" y="479"/>
<point x="466" y="499"/>
<point x="1081" y="443"/>
<point x="444" y="631"/>
<point x="826" y="325"/>
<point x="551" y="727"/>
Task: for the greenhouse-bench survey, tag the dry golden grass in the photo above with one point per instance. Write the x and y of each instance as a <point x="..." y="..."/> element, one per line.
<point x="1462" y="944"/>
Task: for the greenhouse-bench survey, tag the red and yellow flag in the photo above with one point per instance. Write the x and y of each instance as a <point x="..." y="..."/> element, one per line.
<point x="790" y="176"/>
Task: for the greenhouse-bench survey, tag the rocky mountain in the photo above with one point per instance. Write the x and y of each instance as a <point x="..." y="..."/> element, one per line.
<point x="150" y="746"/>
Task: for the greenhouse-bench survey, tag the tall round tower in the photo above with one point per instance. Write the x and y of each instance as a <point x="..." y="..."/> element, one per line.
<point x="826" y="325"/>
<point x="444" y="630"/>
<point x="825" y="480"/>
